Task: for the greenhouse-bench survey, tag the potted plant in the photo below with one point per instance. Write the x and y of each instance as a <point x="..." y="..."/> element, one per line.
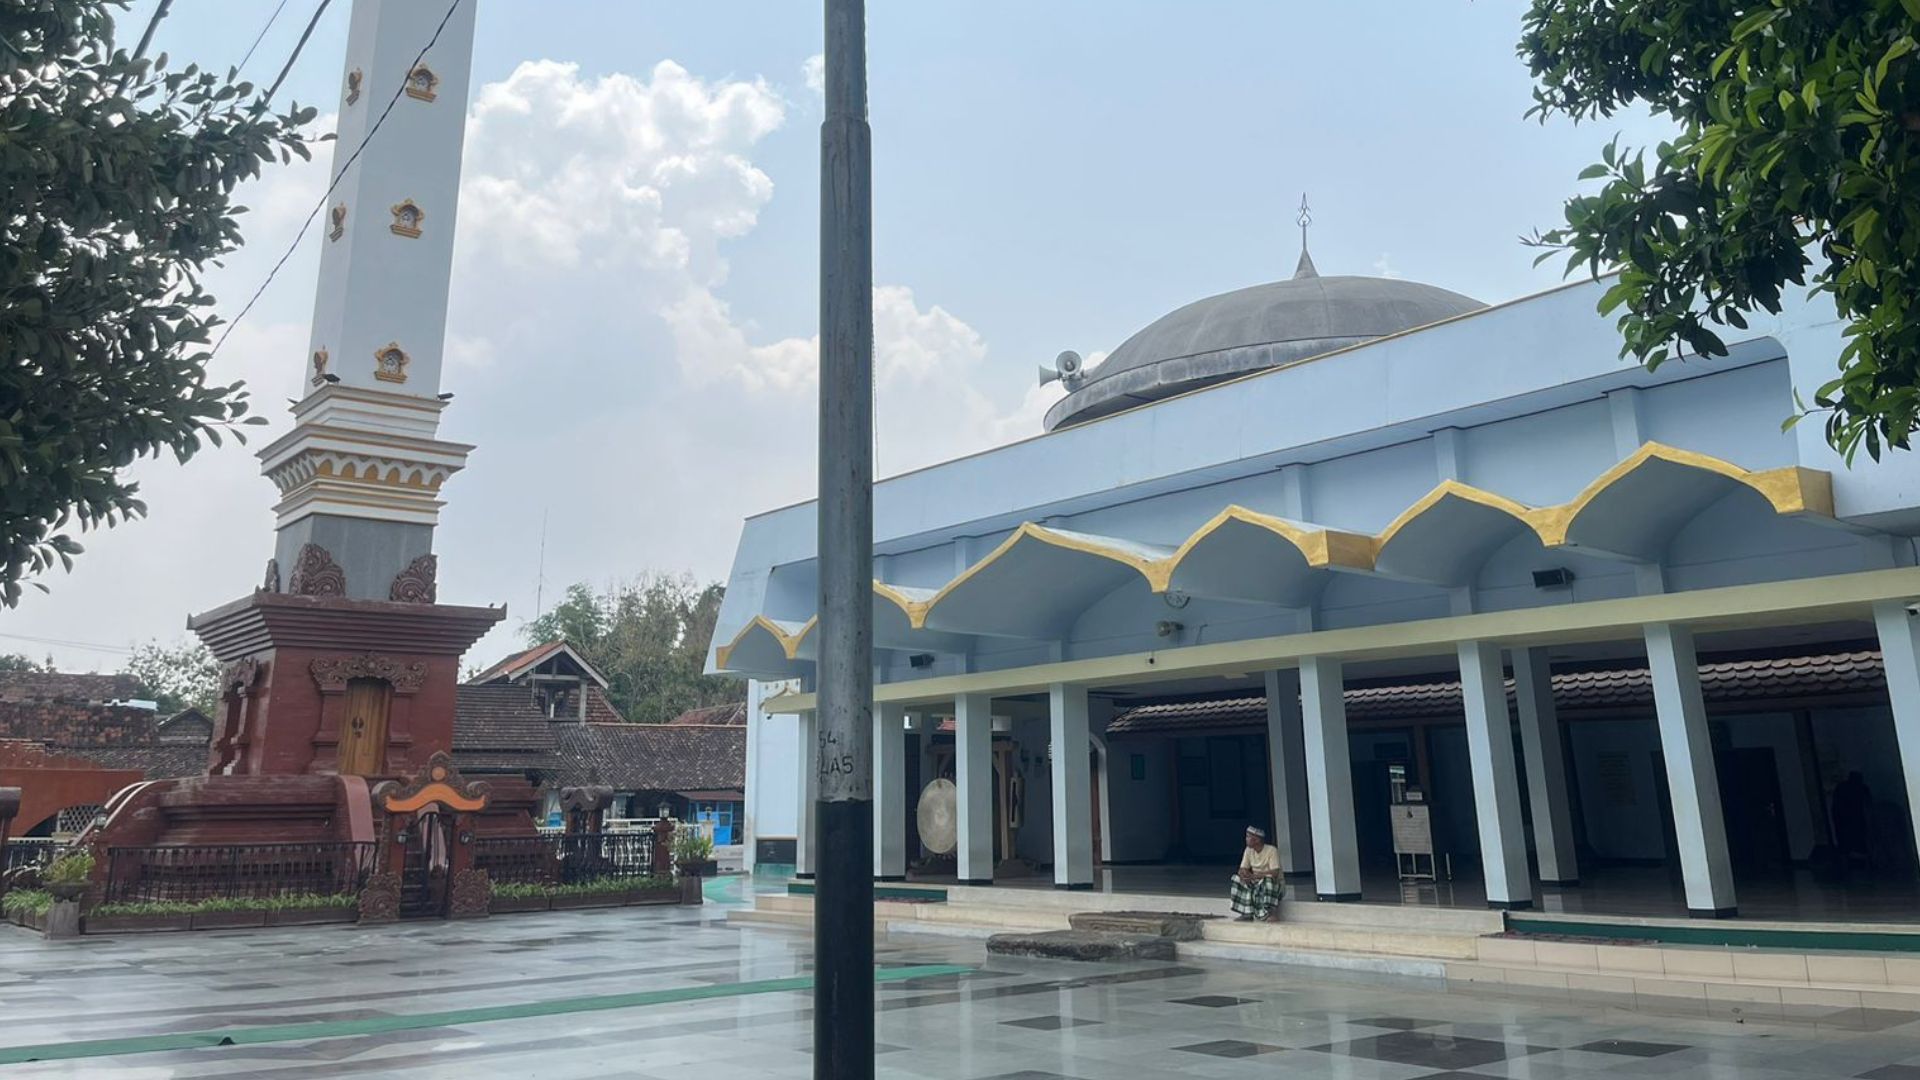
<point x="67" y="876"/>
<point x="693" y="854"/>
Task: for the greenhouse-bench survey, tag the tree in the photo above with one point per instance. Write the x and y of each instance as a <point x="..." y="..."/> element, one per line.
<point x="179" y="676"/>
<point x="1797" y="162"/>
<point x="116" y="179"/>
<point x="20" y="662"/>
<point x="649" y="638"/>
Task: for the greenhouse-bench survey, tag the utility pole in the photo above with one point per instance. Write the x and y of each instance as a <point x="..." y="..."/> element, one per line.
<point x="843" y="882"/>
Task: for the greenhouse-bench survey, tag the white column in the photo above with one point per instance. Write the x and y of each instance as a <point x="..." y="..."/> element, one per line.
<point x="1900" y="653"/>
<point x="1336" y="851"/>
<point x="806" y="852"/>
<point x="1688" y="747"/>
<point x="973" y="777"/>
<point x="1545" y="753"/>
<point x="1287" y="764"/>
<point x="1496" y="783"/>
<point x="1072" y="788"/>
<point x="889" y="792"/>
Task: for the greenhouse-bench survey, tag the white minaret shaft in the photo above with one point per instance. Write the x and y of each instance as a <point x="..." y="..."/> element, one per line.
<point x="360" y="472"/>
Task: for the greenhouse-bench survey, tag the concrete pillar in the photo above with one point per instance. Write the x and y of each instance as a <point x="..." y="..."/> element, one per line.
<point x="1496" y="783"/>
<point x="1688" y="748"/>
<point x="1336" y="851"/>
<point x="1545" y="754"/>
<point x="973" y="777"/>
<point x="806" y="850"/>
<point x="1072" y="788"/>
<point x="889" y="792"/>
<point x="1287" y="764"/>
<point x="1900" y="653"/>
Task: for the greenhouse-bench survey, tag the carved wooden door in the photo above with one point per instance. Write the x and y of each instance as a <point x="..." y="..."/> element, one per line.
<point x="363" y="736"/>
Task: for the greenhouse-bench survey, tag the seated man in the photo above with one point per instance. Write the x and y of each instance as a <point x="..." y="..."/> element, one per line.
<point x="1257" y="886"/>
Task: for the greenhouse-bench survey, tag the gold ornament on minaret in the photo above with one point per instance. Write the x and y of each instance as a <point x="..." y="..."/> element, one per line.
<point x="421" y="82"/>
<point x="407" y="218"/>
<point x="337" y="215"/>
<point x="353" y="85"/>
<point x="390" y="363"/>
<point x="319" y="367"/>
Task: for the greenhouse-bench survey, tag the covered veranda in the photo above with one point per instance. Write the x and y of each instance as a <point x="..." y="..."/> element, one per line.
<point x="1641" y="807"/>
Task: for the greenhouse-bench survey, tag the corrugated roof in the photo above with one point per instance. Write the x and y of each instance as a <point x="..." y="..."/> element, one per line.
<point x="1732" y="682"/>
<point x="61" y="686"/>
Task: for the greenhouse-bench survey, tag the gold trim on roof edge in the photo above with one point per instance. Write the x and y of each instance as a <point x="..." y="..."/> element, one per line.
<point x="1792" y="491"/>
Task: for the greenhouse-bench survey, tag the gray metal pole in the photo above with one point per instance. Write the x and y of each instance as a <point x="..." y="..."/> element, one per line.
<point x="843" y="882"/>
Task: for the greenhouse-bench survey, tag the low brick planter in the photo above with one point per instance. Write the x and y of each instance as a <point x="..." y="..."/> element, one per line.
<point x="501" y="905"/>
<point x="133" y="924"/>
<point x="588" y="900"/>
<point x="313" y="916"/>
<point x="654" y="896"/>
<point x="229" y="920"/>
<point x="29" y="921"/>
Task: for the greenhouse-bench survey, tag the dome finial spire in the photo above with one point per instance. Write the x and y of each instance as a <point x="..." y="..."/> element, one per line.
<point x="1305" y="268"/>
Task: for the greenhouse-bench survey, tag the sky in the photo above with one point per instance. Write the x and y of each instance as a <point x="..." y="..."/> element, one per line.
<point x="634" y="301"/>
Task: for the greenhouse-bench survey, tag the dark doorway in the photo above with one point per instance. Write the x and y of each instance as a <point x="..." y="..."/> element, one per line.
<point x="1750" y="805"/>
<point x="423" y="886"/>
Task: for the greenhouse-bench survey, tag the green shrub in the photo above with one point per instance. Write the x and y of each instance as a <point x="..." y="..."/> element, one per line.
<point x="221" y="904"/>
<point x="511" y="890"/>
<point x="690" y="845"/>
<point x="73" y="868"/>
<point x="26" y="901"/>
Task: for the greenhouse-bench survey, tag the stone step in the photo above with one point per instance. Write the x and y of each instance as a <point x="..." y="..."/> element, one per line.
<point x="1372" y="940"/>
<point x="1174" y="926"/>
<point x="1891" y="972"/>
<point x="1082" y="945"/>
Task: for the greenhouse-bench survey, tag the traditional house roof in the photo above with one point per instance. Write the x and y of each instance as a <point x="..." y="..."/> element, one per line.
<point x="110" y="736"/>
<point x="678" y="758"/>
<point x="61" y="686"/>
<point x="1726" y="686"/>
<point x="732" y="714"/>
<point x="525" y="661"/>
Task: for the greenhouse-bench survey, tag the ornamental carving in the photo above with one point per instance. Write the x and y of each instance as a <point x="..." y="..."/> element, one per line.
<point x="407" y="218"/>
<point x="440" y="782"/>
<point x="333" y="673"/>
<point x="590" y="798"/>
<point x="272" y="582"/>
<point x="472" y="894"/>
<point x="319" y="367"/>
<point x="316" y="574"/>
<point x="415" y="584"/>
<point x="338" y="217"/>
<point x="354" y="79"/>
<point x="421" y="83"/>
<point x="390" y="363"/>
<point x="241" y="675"/>
<point x="380" y="898"/>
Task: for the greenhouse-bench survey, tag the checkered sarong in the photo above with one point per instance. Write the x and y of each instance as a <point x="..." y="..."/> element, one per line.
<point x="1257" y="899"/>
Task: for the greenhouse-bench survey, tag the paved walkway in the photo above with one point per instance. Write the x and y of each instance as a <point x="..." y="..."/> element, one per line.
<point x="673" y="992"/>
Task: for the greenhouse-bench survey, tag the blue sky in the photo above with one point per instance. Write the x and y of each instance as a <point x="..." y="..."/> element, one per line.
<point x="1047" y="176"/>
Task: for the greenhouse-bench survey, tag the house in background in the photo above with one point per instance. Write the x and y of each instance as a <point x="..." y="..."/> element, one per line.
<point x="69" y="741"/>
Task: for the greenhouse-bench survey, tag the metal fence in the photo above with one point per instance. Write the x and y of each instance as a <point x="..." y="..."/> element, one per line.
<point x="30" y="851"/>
<point x="564" y="860"/>
<point x="203" y="872"/>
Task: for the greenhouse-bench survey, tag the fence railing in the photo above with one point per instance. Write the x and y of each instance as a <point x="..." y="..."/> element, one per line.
<point x="30" y="851"/>
<point x="564" y="860"/>
<point x="204" y="872"/>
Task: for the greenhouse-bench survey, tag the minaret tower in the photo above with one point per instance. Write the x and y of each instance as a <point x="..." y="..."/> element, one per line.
<point x="361" y="471"/>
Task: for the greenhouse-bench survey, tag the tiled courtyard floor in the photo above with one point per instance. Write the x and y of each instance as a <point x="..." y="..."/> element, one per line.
<point x="1002" y="1018"/>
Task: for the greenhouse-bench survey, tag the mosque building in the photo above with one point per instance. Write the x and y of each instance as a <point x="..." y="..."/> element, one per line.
<point x="1458" y="605"/>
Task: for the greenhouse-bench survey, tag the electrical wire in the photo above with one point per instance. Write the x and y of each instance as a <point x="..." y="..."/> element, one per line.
<point x="68" y="644"/>
<point x="300" y="45"/>
<point x="259" y="37"/>
<point x="372" y="130"/>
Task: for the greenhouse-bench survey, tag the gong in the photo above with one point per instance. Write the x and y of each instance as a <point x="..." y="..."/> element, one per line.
<point x="938" y="822"/>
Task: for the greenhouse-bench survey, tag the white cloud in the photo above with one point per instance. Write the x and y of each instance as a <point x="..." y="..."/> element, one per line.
<point x="599" y="364"/>
<point x="814" y="70"/>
